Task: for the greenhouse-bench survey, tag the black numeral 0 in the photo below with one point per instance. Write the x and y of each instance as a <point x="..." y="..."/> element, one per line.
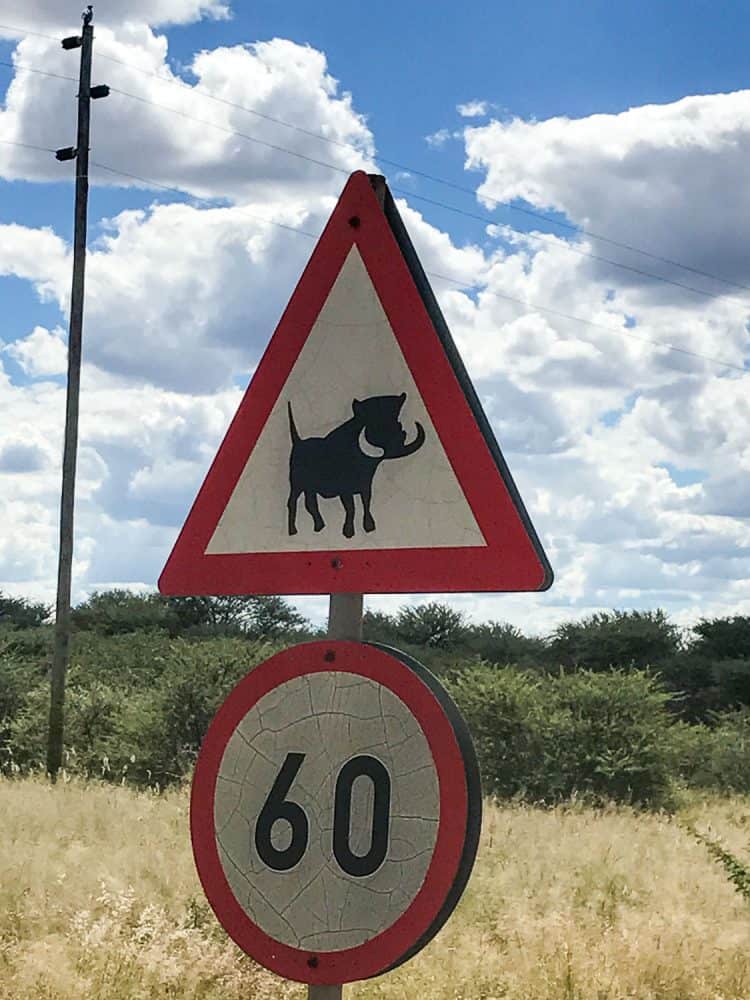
<point x="277" y="807"/>
<point x="364" y="864"/>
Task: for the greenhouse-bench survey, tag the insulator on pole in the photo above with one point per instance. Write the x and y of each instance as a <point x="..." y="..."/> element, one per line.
<point x="101" y="91"/>
<point x="72" y="42"/>
<point x="67" y="153"/>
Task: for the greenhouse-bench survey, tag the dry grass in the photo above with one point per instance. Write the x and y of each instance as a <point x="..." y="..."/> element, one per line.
<point x="725" y="820"/>
<point x="98" y="899"/>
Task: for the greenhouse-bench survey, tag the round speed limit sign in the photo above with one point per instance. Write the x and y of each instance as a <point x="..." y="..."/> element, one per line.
<point x="335" y="811"/>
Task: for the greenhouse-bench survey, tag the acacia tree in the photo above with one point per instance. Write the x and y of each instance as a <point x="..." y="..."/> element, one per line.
<point x="257" y="616"/>
<point x="503" y="643"/>
<point x="723" y="638"/>
<point x="625" y="639"/>
<point x="118" y="611"/>
<point x="379" y="626"/>
<point x="434" y="625"/>
<point x="21" y="613"/>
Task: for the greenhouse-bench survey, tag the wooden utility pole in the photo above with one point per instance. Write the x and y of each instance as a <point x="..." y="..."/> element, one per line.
<point x="80" y="153"/>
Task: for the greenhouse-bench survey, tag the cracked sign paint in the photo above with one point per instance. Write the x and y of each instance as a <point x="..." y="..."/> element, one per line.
<point x="330" y="718"/>
<point x="335" y="811"/>
<point x="350" y="357"/>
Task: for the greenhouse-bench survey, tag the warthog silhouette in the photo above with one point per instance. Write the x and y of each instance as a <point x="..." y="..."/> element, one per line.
<point x="344" y="462"/>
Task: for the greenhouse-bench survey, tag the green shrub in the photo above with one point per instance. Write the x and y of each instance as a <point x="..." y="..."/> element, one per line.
<point x="723" y="638"/>
<point x="119" y="612"/>
<point x="32" y="644"/>
<point x="603" y="737"/>
<point x="22" y="613"/>
<point x="93" y="744"/>
<point x="167" y="726"/>
<point x="129" y="661"/>
<point x="148" y="727"/>
<point x="607" y="737"/>
<point x="115" y="612"/>
<point x="501" y="708"/>
<point x="715" y="757"/>
<point x="433" y="625"/>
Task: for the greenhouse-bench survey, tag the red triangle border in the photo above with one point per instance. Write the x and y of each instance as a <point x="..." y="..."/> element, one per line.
<point x="513" y="559"/>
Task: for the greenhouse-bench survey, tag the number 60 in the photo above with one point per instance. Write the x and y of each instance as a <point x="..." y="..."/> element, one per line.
<point x="278" y="807"/>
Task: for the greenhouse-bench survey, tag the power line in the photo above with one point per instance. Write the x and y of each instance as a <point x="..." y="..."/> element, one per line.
<point x="26" y="145"/>
<point x="231" y="131"/>
<point x="40" y="72"/>
<point x="202" y="92"/>
<point x="27" y="31"/>
<point x="534" y="307"/>
<point x="598" y="326"/>
<point x="452" y="208"/>
<point x="207" y="201"/>
<point x="197" y="88"/>
<point x="553" y="241"/>
<point x="462" y="283"/>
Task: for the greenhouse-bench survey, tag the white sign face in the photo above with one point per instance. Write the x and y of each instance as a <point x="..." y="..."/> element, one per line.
<point x="335" y="811"/>
<point x="351" y="368"/>
<point x="326" y="811"/>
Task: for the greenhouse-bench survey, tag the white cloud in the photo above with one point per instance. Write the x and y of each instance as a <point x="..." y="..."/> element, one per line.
<point x="438" y="139"/>
<point x="143" y="452"/>
<point x="174" y="135"/>
<point x="21" y="457"/>
<point x="43" y="352"/>
<point x="177" y="296"/>
<point x="52" y="15"/>
<point x="37" y="255"/>
<point x="187" y="298"/>
<point x="668" y="178"/>
<point x="472" y="109"/>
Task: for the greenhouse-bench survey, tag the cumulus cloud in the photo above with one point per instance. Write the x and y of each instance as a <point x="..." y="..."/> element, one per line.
<point x="668" y="178"/>
<point x="438" y="139"/>
<point x="171" y="132"/>
<point x="143" y="452"/>
<point x="43" y="352"/>
<point x="51" y="15"/>
<point x="38" y="255"/>
<point x="20" y="457"/>
<point x="187" y="298"/>
<point x="472" y="109"/>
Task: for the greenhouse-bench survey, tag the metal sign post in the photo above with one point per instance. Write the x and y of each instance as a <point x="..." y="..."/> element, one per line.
<point x="325" y="992"/>
<point x="344" y="622"/>
<point x="345" y="616"/>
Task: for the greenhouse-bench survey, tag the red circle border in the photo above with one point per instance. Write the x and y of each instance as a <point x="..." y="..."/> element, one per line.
<point x="387" y="948"/>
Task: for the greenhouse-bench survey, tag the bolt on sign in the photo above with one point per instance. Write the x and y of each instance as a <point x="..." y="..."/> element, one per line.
<point x="360" y="459"/>
<point x="335" y="811"/>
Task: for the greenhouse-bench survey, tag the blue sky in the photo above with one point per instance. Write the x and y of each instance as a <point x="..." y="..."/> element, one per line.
<point x="625" y="120"/>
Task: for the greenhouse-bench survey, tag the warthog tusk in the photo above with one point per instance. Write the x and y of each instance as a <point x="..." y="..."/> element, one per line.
<point x="368" y="449"/>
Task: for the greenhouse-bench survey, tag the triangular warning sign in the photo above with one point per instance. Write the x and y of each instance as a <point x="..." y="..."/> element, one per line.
<point x="360" y="459"/>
